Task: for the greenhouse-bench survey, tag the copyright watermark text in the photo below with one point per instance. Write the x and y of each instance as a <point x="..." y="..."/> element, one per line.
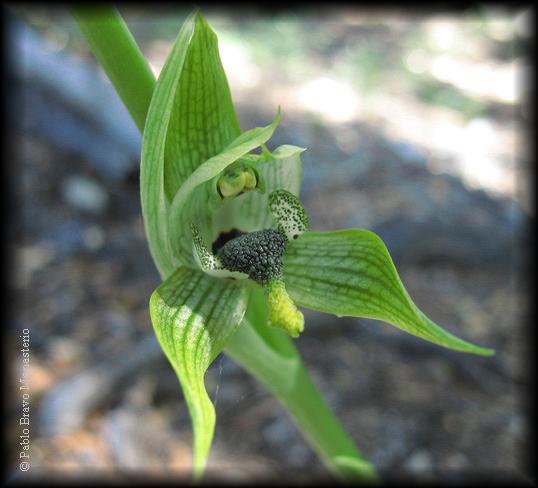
<point x="24" y="389"/>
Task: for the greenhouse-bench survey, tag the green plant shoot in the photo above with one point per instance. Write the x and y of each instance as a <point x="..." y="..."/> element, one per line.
<point x="201" y="177"/>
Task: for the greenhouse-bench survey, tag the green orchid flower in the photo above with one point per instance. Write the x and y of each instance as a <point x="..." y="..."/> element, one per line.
<point x="230" y="238"/>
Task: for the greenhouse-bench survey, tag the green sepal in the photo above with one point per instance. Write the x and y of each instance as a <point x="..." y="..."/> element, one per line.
<point x="350" y="272"/>
<point x="194" y="316"/>
<point x="190" y="119"/>
<point x="203" y="120"/>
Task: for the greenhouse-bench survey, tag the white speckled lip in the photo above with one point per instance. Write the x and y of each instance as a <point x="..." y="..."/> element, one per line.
<point x="288" y="213"/>
<point x="207" y="261"/>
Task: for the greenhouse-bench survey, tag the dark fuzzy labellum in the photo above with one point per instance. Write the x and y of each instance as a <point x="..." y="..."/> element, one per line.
<point x="257" y="254"/>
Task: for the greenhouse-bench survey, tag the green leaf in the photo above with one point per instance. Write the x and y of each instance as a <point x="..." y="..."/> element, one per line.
<point x="193" y="316"/>
<point x="350" y="272"/>
<point x="118" y="53"/>
<point x="192" y="201"/>
<point x="190" y="119"/>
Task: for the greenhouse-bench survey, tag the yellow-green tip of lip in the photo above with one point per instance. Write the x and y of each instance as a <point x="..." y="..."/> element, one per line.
<point x="282" y="311"/>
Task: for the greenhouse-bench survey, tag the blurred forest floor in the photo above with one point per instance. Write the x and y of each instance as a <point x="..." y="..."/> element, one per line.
<point x="416" y="128"/>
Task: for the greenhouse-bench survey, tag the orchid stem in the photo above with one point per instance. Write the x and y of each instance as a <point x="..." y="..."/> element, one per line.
<point x="270" y="356"/>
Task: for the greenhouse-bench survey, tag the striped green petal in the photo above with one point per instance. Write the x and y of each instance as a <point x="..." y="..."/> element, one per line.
<point x="193" y="316"/>
<point x="190" y="119"/>
<point x="350" y="272"/>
